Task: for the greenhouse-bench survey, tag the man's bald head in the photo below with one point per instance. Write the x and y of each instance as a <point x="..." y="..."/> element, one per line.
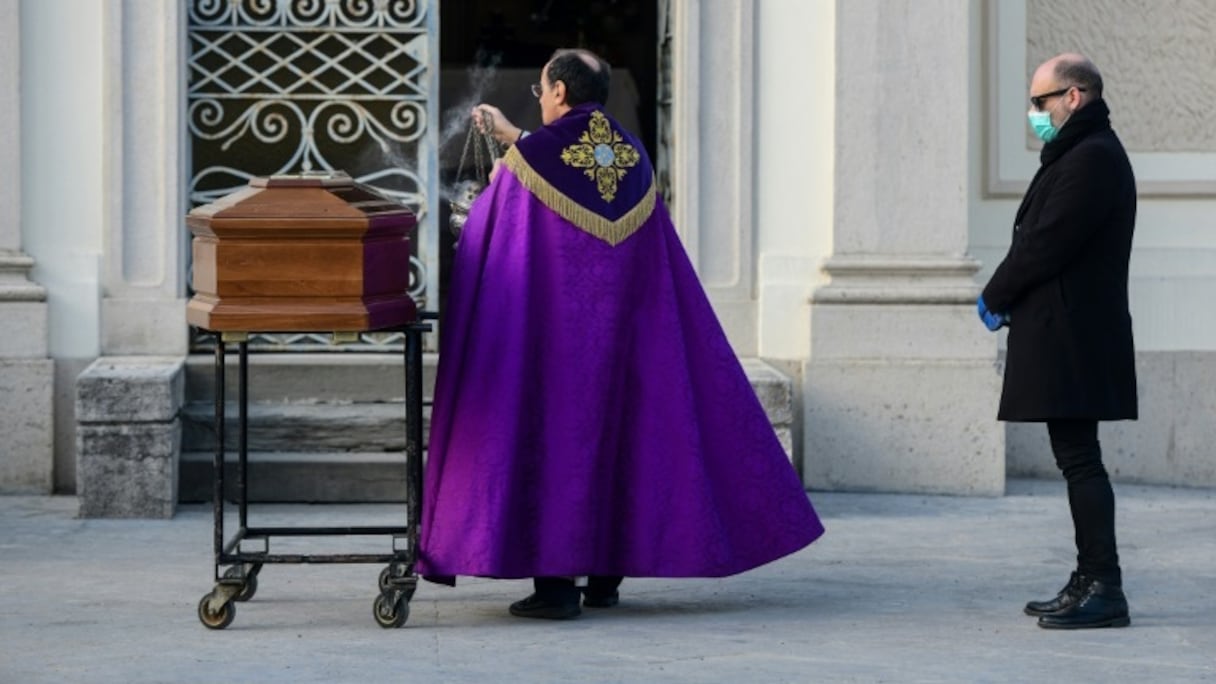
<point x="1070" y="69"/>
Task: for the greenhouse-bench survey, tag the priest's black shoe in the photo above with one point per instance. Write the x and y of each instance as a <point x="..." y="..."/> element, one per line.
<point x="1070" y="594"/>
<point x="536" y="607"/>
<point x="1101" y="605"/>
<point x="555" y="598"/>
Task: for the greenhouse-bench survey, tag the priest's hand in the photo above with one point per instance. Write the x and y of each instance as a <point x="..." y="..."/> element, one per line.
<point x="500" y="127"/>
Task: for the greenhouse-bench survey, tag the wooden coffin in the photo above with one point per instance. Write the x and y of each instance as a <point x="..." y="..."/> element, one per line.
<point x="300" y="254"/>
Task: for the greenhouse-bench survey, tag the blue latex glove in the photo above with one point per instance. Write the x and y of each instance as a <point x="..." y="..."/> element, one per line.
<point x="992" y="321"/>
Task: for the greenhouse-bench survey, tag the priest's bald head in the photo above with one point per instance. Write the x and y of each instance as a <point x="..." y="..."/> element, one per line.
<point x="571" y="78"/>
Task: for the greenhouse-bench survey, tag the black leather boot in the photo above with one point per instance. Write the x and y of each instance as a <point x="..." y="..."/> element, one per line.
<point x="555" y="598"/>
<point x="1101" y="605"/>
<point x="1070" y="594"/>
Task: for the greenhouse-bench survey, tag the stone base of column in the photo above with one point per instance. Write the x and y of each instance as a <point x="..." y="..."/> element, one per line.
<point x="26" y="425"/>
<point x="128" y="436"/>
<point x="128" y="470"/>
<point x="27" y="381"/>
<point x="903" y="426"/>
<point x="901" y="389"/>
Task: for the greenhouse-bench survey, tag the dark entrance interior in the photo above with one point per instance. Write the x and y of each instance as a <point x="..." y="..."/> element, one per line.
<point x="492" y="51"/>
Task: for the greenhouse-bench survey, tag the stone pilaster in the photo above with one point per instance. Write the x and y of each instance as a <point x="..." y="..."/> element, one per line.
<point x="26" y="374"/>
<point x="128" y="435"/>
<point x="901" y="387"/>
<point x="713" y="76"/>
<point x="143" y="305"/>
<point x="27" y="380"/>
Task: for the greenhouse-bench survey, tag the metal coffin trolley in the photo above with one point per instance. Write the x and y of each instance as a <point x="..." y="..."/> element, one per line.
<point x="310" y="253"/>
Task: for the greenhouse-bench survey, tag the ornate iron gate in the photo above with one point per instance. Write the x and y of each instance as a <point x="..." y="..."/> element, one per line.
<point x="290" y="86"/>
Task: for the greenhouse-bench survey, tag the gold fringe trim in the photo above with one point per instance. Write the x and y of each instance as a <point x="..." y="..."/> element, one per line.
<point x="612" y="232"/>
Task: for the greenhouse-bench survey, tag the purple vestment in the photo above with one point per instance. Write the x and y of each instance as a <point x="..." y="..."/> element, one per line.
<point x="590" y="416"/>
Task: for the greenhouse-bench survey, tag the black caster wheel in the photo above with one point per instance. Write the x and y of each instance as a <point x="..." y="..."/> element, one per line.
<point x="388" y="614"/>
<point x="217" y="619"/>
<point x="248" y="589"/>
<point x="385" y="575"/>
<point x="386" y="583"/>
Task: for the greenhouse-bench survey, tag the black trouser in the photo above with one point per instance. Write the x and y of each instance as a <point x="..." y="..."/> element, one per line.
<point x="1079" y="457"/>
<point x="562" y="589"/>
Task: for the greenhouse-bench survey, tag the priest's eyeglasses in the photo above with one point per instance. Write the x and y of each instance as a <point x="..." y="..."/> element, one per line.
<point x="1037" y="101"/>
<point x="536" y="90"/>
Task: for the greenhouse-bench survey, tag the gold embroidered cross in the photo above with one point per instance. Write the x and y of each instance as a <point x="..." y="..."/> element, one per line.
<point x="603" y="155"/>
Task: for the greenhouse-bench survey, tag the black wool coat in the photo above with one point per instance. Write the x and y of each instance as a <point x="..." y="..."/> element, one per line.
<point x="1064" y="281"/>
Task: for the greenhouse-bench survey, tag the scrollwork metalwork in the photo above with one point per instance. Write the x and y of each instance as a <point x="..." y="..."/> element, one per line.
<point x="339" y="14"/>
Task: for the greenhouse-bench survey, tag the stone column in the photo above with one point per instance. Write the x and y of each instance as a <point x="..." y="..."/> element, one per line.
<point x="143" y="304"/>
<point x="713" y="77"/>
<point x="26" y="373"/>
<point x="901" y="386"/>
<point x="128" y="436"/>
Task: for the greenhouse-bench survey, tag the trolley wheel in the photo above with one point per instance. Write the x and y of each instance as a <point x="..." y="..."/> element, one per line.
<point x="386" y="582"/>
<point x="389" y="614"/>
<point x="385" y="576"/>
<point x="248" y="588"/>
<point x="215" y="619"/>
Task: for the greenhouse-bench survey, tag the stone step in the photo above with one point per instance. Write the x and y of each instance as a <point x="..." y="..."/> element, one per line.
<point x="344" y="443"/>
<point x="290" y="477"/>
<point x="314" y="427"/>
<point x="775" y="390"/>
<point x="311" y="377"/>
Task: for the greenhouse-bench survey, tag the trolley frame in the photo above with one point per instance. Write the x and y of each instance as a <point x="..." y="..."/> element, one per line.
<point x="238" y="582"/>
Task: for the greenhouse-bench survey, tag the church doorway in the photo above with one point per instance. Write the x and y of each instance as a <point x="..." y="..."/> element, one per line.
<point x="492" y="51"/>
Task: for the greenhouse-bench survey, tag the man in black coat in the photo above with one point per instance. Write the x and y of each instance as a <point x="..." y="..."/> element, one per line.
<point x="1062" y="290"/>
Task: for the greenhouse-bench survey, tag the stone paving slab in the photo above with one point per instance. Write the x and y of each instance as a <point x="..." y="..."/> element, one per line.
<point x="901" y="589"/>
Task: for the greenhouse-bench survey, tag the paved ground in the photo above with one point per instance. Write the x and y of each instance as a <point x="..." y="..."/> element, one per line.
<point x="901" y="589"/>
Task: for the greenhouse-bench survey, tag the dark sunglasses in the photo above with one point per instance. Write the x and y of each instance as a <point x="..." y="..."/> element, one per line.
<point x="1037" y="101"/>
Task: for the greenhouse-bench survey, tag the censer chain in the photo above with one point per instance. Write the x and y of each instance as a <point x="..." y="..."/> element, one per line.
<point x="484" y="149"/>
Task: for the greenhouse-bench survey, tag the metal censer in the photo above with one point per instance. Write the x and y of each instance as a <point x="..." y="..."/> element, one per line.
<point x="465" y="190"/>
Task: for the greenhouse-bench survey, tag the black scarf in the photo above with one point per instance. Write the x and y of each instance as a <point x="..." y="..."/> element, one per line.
<point x="1092" y="118"/>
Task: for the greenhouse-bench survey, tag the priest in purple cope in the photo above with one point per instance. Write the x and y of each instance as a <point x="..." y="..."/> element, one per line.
<point x="591" y="419"/>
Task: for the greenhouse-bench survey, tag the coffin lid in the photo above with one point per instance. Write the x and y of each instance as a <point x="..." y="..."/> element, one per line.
<point x="302" y="203"/>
